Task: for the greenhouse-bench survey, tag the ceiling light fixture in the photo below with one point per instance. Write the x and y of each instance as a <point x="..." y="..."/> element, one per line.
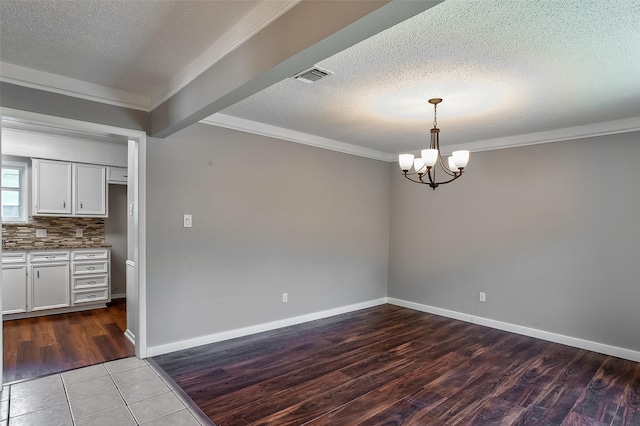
<point x="425" y="167"/>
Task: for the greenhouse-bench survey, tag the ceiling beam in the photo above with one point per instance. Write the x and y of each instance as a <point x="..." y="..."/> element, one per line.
<point x="308" y="33"/>
<point x="58" y="105"/>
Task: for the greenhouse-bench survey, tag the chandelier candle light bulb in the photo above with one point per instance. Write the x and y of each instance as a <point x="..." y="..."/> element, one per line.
<point x="425" y="166"/>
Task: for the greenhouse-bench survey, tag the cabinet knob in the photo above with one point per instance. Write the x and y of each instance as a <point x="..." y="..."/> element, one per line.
<point x="64" y="204"/>
<point x="80" y="204"/>
<point x="91" y="268"/>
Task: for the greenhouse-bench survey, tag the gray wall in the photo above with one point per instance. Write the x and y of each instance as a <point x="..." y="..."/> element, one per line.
<point x="268" y="217"/>
<point x="550" y="232"/>
<point x="115" y="227"/>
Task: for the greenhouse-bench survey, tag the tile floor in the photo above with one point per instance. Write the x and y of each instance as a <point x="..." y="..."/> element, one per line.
<point x="123" y="392"/>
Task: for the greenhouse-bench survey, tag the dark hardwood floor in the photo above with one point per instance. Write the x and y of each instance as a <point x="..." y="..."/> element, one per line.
<point x="35" y="347"/>
<point x="394" y="366"/>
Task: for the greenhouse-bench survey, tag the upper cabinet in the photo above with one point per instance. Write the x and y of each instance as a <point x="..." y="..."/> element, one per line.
<point x="117" y="175"/>
<point x="89" y="190"/>
<point x="52" y="187"/>
<point x="68" y="189"/>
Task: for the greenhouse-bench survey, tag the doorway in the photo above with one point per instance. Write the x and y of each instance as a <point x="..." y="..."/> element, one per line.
<point x="135" y="257"/>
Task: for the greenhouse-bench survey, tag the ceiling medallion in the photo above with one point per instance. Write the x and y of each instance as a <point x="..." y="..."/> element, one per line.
<point x="425" y="167"/>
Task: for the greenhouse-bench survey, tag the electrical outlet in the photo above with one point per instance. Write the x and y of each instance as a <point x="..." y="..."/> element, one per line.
<point x="79" y="232"/>
<point x="188" y="221"/>
<point x="483" y="297"/>
<point x="285" y="297"/>
<point x="41" y="233"/>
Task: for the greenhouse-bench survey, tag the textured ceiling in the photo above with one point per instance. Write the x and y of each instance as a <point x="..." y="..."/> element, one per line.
<point x="130" y="45"/>
<point x="503" y="68"/>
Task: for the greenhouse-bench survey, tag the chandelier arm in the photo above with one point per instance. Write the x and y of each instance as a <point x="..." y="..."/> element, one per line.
<point x="431" y="178"/>
<point x="413" y="180"/>
<point x="445" y="167"/>
<point x="450" y="180"/>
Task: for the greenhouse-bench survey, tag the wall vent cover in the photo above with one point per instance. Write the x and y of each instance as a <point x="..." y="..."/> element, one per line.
<point x="312" y="75"/>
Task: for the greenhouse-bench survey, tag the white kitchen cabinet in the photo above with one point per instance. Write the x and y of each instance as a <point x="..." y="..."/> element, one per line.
<point x="44" y="282"/>
<point x="90" y="272"/>
<point x="51" y="187"/>
<point x="118" y="175"/>
<point x="14" y="283"/>
<point x="69" y="189"/>
<point x="49" y="286"/>
<point x="89" y="190"/>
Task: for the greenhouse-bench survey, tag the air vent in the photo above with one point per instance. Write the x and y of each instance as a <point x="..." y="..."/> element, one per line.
<point x="312" y="75"/>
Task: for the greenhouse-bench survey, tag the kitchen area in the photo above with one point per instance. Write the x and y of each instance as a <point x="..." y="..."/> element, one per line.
<point x="64" y="246"/>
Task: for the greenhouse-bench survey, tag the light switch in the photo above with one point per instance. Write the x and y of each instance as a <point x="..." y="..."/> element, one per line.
<point x="41" y="233"/>
<point x="188" y="221"/>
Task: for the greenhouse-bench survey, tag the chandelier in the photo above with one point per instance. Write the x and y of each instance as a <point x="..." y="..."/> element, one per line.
<point x="425" y="167"/>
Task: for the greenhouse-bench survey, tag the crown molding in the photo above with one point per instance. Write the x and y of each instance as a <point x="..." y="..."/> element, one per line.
<point x="258" y="18"/>
<point x="48" y="82"/>
<point x="569" y="133"/>
<point x="578" y="132"/>
<point x="243" y="125"/>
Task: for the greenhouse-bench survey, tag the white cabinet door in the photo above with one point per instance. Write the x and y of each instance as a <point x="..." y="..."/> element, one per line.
<point x="14" y="289"/>
<point x="51" y="187"/>
<point x="50" y="286"/>
<point x="90" y="190"/>
<point x="118" y="175"/>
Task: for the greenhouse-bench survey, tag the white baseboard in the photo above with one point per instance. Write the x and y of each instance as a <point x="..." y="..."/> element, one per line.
<point x="119" y="296"/>
<point x="526" y="331"/>
<point x="240" y="332"/>
<point x="129" y="335"/>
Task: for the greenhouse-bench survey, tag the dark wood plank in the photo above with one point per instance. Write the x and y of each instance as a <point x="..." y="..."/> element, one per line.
<point x="35" y="347"/>
<point x="395" y="366"/>
<point x="603" y="395"/>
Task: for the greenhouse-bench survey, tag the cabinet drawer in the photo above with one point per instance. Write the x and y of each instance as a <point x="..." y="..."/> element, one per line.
<point x="90" y="296"/>
<point x="54" y="256"/>
<point x="90" y="268"/>
<point x="89" y="255"/>
<point x="14" y="257"/>
<point x="80" y="283"/>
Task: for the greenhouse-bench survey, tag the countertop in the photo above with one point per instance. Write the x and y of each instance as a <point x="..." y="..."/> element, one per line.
<point x="9" y="247"/>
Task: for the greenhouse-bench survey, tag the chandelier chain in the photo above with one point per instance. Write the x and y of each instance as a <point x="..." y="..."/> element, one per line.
<point x="435" y="116"/>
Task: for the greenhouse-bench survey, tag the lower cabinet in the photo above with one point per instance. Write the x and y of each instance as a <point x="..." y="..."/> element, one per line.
<point x="14" y="289"/>
<point x="14" y="282"/>
<point x="50" y="286"/>
<point x="48" y="280"/>
<point x="90" y="269"/>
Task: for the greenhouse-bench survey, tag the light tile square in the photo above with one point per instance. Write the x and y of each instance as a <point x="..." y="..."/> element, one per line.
<point x="95" y="404"/>
<point x="179" y="418"/>
<point x="90" y="387"/>
<point x="156" y="407"/>
<point x="143" y="390"/>
<point x="4" y="409"/>
<point x="117" y="417"/>
<point x="58" y="415"/>
<point x="37" y="401"/>
<point x="124" y="364"/>
<point x="4" y="396"/>
<point x="136" y="375"/>
<point x="82" y="374"/>
<point x="20" y="390"/>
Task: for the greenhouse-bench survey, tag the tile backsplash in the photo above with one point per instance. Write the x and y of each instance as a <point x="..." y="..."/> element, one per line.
<point x="61" y="233"/>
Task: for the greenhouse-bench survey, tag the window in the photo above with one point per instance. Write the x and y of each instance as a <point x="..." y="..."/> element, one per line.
<point x="13" y="193"/>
